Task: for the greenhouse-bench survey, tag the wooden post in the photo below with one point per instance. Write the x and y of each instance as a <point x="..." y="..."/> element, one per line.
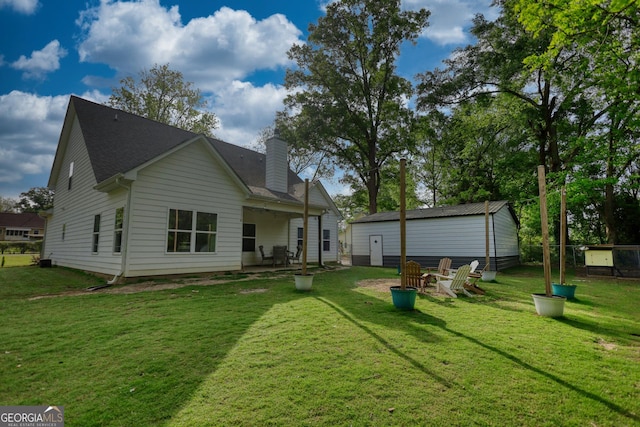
<point x="305" y="227"/>
<point x="403" y="226"/>
<point x="486" y="237"/>
<point x="563" y="233"/>
<point x="544" y="222"/>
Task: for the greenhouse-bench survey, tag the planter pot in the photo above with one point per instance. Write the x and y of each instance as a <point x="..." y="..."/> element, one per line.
<point x="303" y="282"/>
<point x="552" y="306"/>
<point x="568" y="291"/>
<point x="404" y="299"/>
<point x="488" y="276"/>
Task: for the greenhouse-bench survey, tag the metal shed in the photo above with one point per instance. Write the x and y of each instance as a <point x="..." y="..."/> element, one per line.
<point x="456" y="232"/>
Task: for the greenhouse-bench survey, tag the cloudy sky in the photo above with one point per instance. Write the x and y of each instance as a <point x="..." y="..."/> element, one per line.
<point x="233" y="50"/>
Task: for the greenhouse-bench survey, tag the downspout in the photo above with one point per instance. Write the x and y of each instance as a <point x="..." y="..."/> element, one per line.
<point x="125" y="234"/>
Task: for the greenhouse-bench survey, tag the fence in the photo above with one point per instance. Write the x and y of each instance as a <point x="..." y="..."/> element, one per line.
<point x="532" y="254"/>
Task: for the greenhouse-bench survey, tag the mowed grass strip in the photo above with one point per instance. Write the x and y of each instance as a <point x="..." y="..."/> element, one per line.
<point x="260" y="353"/>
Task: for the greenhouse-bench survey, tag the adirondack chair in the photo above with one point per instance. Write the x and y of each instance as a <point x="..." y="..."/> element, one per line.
<point x="413" y="275"/>
<point x="456" y="283"/>
<point x="442" y="270"/>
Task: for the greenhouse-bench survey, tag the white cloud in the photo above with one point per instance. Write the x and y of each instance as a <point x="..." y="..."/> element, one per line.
<point x="41" y="61"/>
<point x="449" y="18"/>
<point x="244" y="110"/>
<point x="22" y="6"/>
<point x="230" y="44"/>
<point x="30" y="130"/>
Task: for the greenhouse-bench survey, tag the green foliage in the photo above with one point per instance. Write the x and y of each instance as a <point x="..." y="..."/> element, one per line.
<point x="35" y="200"/>
<point x="161" y="94"/>
<point x="346" y="93"/>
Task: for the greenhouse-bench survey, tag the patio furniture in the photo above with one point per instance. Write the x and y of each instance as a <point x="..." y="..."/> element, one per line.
<point x="264" y="258"/>
<point x="280" y="255"/>
<point x="456" y="283"/>
<point x="442" y="270"/>
<point x="296" y="256"/>
<point x="413" y="275"/>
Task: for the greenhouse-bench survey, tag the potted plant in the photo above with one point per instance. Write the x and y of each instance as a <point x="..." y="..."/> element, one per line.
<point x="546" y="304"/>
<point x="562" y="288"/>
<point x="403" y="297"/>
<point x="304" y="280"/>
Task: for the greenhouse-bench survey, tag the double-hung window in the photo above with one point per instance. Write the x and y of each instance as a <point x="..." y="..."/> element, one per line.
<point x="326" y="240"/>
<point x="96" y="233"/>
<point x="248" y="237"/>
<point x="117" y="231"/>
<point x="191" y="231"/>
<point x="300" y="236"/>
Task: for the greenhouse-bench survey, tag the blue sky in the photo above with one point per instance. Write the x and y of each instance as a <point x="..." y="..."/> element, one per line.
<point x="233" y="50"/>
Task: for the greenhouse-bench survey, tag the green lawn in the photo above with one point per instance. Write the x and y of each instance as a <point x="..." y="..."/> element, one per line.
<point x="259" y="353"/>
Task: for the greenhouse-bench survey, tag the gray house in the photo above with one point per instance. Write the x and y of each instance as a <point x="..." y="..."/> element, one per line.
<point x="456" y="232"/>
<point x="134" y="197"/>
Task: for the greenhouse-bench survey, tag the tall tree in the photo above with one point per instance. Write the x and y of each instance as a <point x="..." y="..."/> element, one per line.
<point x="35" y="200"/>
<point x="161" y="94"/>
<point x="7" y="204"/>
<point x="347" y="89"/>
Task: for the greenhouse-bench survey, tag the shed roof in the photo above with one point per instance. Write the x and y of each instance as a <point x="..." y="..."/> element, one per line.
<point x="439" y="212"/>
<point x="21" y="220"/>
<point x="118" y="141"/>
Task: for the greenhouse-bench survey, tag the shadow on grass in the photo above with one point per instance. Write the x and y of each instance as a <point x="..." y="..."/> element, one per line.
<point x="589" y="395"/>
<point x="416" y="363"/>
<point x="416" y="315"/>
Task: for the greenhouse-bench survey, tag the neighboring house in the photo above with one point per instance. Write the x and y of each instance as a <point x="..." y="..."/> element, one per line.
<point x="456" y="232"/>
<point x="21" y="227"/>
<point x="134" y="197"/>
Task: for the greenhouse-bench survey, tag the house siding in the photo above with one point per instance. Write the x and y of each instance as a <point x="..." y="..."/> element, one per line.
<point x="75" y="210"/>
<point x="329" y="222"/>
<point x="176" y="182"/>
<point x="460" y="238"/>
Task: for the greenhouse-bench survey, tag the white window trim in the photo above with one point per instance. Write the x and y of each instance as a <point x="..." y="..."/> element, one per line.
<point x="193" y="231"/>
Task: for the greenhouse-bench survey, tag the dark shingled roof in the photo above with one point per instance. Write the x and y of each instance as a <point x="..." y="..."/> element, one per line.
<point x="21" y="220"/>
<point x="439" y="212"/>
<point x="118" y="141"/>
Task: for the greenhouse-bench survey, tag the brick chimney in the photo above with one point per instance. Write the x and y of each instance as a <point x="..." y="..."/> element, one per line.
<point x="277" y="164"/>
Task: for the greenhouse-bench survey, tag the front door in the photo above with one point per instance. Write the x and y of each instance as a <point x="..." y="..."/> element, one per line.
<point x="375" y="250"/>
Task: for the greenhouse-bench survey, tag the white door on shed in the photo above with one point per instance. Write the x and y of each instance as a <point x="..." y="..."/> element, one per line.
<point x="375" y="250"/>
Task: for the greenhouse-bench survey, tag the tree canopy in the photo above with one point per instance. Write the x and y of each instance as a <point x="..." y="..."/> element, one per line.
<point x="345" y="92"/>
<point x="35" y="200"/>
<point x="161" y="94"/>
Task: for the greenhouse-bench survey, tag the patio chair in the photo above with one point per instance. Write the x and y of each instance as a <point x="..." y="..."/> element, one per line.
<point x="474" y="265"/>
<point x="456" y="283"/>
<point x="280" y="255"/>
<point x="295" y="257"/>
<point x="413" y="275"/>
<point x="264" y="258"/>
<point x="442" y="269"/>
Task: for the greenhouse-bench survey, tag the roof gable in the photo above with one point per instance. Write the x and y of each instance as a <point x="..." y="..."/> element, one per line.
<point x="118" y="142"/>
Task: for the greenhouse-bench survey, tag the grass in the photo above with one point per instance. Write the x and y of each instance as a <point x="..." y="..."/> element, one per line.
<point x="259" y="353"/>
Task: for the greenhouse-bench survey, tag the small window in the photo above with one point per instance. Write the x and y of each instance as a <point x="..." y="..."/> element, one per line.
<point x="117" y="230"/>
<point x="300" y="235"/>
<point x="70" y="175"/>
<point x="96" y="233"/>
<point x="248" y="237"/>
<point x="326" y="240"/>
<point x="64" y="230"/>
